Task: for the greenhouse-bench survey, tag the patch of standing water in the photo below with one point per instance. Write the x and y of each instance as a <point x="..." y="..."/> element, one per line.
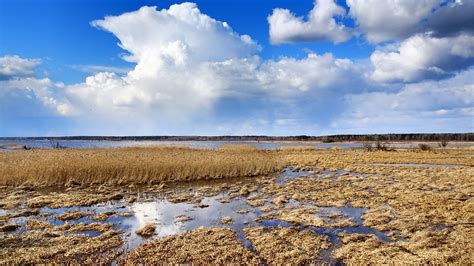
<point x="351" y="213"/>
<point x="333" y="238"/>
<point x="329" y="213"/>
<point x="338" y="173"/>
<point x="440" y="227"/>
<point x="289" y="174"/>
<point x="354" y="214"/>
<point x="89" y="233"/>
<point x="163" y="213"/>
<point x="19" y="143"/>
<point x="49" y="215"/>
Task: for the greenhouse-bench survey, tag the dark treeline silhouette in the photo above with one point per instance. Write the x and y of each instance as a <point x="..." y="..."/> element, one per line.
<point x="402" y="137"/>
<point x="332" y="138"/>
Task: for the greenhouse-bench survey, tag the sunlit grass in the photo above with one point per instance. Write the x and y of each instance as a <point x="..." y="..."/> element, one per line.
<point x="152" y="165"/>
<point x="132" y="165"/>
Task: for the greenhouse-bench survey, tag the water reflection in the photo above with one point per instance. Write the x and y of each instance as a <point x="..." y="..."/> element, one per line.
<point x="157" y="209"/>
<point x="7" y="144"/>
<point x="354" y="214"/>
<point x="163" y="213"/>
<point x="290" y="174"/>
<point x="78" y="144"/>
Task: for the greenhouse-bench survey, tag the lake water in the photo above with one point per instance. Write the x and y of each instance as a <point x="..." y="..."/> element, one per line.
<point x="192" y="144"/>
<point x="9" y="144"/>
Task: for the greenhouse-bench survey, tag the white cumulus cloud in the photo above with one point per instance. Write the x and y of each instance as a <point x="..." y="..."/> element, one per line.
<point x="316" y="72"/>
<point x="193" y="74"/>
<point x="321" y="24"/>
<point x="13" y="66"/>
<point x="172" y="49"/>
<point x="423" y="57"/>
<point x="19" y="84"/>
<point x="385" y="20"/>
<point x="186" y="63"/>
<point x="428" y="106"/>
<point x="179" y="35"/>
<point x="188" y="69"/>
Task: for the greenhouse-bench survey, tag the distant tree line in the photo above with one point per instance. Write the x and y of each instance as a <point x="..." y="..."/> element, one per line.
<point x="402" y="137"/>
<point x="331" y="138"/>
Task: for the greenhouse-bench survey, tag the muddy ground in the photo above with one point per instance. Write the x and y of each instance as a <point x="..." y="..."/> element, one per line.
<point x="314" y="211"/>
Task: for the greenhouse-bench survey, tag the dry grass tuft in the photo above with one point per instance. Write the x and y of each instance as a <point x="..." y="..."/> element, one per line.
<point x="201" y="246"/>
<point x="42" y="247"/>
<point x="146" y="230"/>
<point x="282" y="246"/>
<point x="64" y="200"/>
<point x="297" y="148"/>
<point x="425" y="210"/>
<point x="132" y="165"/>
<point x="71" y="215"/>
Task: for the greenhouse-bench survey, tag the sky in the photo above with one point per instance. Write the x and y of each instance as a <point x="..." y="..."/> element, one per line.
<point x="235" y="67"/>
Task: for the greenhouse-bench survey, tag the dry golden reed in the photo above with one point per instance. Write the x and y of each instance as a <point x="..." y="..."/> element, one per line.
<point x="123" y="166"/>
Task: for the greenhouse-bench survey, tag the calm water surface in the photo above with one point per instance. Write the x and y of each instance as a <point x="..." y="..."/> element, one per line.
<point x="77" y="144"/>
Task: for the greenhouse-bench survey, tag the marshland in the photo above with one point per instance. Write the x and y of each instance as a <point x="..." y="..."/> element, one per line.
<point x="217" y="132"/>
<point x="296" y="204"/>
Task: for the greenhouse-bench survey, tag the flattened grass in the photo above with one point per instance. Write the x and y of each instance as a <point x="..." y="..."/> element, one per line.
<point x="124" y="166"/>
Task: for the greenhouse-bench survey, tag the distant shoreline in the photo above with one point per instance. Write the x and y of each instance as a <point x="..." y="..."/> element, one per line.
<point x="409" y="137"/>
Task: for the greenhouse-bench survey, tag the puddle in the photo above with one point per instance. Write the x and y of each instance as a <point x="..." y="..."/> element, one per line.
<point x="163" y="213"/>
<point x="354" y="214"/>
<point x="89" y="233"/>
<point x="416" y="164"/>
<point x="440" y="227"/>
<point x="289" y="174"/>
<point x="153" y="207"/>
<point x="332" y="234"/>
<point x="347" y="212"/>
<point x="335" y="174"/>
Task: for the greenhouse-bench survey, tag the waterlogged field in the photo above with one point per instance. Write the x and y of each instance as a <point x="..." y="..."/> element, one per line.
<point x="237" y="204"/>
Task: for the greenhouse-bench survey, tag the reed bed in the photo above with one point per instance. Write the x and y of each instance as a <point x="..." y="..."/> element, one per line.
<point x="122" y="166"/>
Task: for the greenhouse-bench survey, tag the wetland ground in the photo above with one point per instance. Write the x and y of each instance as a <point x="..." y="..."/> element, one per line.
<point x="237" y="204"/>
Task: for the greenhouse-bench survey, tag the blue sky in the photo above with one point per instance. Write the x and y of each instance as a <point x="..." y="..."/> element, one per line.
<point x="283" y="67"/>
<point x="42" y="29"/>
